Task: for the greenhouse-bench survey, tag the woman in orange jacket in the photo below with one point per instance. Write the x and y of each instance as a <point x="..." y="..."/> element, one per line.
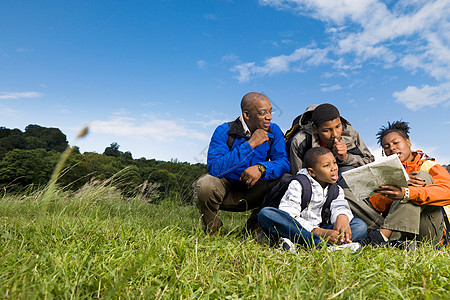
<point x="411" y="213"/>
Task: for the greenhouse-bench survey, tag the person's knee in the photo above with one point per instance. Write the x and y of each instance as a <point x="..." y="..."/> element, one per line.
<point x="425" y="176"/>
<point x="203" y="188"/>
<point x="359" y="229"/>
<point x="359" y="223"/>
<point x="265" y="214"/>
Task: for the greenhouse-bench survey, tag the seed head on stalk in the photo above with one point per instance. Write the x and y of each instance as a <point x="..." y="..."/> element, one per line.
<point x="50" y="189"/>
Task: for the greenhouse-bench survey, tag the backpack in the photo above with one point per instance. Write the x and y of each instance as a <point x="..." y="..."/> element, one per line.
<point x="273" y="198"/>
<point x="297" y="125"/>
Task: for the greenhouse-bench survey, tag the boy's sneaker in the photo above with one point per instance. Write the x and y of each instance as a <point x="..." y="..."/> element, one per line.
<point x="374" y="238"/>
<point x="350" y="246"/>
<point x="285" y="244"/>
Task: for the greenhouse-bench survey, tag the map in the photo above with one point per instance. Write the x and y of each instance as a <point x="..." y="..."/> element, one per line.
<point x="363" y="180"/>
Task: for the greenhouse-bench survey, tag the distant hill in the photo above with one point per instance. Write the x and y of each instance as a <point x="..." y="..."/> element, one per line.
<point x="28" y="158"/>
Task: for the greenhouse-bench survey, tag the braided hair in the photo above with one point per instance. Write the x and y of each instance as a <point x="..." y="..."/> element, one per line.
<point x="400" y="127"/>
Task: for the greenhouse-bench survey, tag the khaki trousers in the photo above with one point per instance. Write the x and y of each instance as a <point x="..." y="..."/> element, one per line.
<point x="406" y="220"/>
<point x="212" y="194"/>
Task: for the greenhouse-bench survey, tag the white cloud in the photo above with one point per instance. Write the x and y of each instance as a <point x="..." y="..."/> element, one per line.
<point x="160" y="130"/>
<point x="19" y="95"/>
<point x="24" y="50"/>
<point x="282" y="63"/>
<point x="376" y="151"/>
<point x="202" y="65"/>
<point x="215" y="123"/>
<point x="434" y="152"/>
<point x="210" y="17"/>
<point x="332" y="88"/>
<point x="416" y="98"/>
<point x="6" y="112"/>
<point x="230" y="58"/>
<point x="414" y="35"/>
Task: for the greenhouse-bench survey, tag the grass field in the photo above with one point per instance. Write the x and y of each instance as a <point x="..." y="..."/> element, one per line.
<point x="95" y="244"/>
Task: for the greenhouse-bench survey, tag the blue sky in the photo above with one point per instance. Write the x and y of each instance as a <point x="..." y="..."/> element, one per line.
<point x="158" y="76"/>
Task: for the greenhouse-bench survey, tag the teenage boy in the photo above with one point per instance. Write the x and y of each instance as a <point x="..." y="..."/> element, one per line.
<point x="323" y="126"/>
<point x="293" y="225"/>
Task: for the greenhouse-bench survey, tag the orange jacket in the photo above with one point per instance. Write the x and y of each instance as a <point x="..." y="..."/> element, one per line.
<point x="437" y="194"/>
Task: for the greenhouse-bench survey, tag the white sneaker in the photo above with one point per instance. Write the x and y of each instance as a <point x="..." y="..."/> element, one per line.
<point x="349" y="246"/>
<point x="285" y="244"/>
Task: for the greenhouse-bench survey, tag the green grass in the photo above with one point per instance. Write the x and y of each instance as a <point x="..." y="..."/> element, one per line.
<point x="95" y="244"/>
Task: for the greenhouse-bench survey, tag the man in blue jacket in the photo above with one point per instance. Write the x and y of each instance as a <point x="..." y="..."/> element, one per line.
<point x="246" y="158"/>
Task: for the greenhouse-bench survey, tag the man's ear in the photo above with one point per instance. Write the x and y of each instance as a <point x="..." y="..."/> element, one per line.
<point x="245" y="114"/>
<point x="315" y="128"/>
<point x="311" y="172"/>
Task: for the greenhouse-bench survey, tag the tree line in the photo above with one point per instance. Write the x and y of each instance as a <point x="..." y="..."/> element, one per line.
<point x="27" y="160"/>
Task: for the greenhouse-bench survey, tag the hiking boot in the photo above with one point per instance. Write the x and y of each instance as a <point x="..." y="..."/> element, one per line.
<point x="285" y="244"/>
<point x="374" y="239"/>
<point x="263" y="239"/>
<point x="350" y="246"/>
<point x="404" y="245"/>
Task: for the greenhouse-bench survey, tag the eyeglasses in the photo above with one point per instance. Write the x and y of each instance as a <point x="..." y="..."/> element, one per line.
<point x="264" y="113"/>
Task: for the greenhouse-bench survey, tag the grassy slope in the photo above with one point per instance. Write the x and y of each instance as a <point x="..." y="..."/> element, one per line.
<point x="93" y="244"/>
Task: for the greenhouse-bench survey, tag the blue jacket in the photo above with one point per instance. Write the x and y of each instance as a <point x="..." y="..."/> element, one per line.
<point x="230" y="163"/>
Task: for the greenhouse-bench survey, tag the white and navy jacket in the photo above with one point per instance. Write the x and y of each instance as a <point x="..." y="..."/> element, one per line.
<point x="310" y="218"/>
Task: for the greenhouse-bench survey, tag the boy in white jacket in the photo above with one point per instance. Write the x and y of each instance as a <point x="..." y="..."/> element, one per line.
<point x="305" y="227"/>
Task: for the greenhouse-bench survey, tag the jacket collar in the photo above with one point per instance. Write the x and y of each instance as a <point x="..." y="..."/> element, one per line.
<point x="419" y="158"/>
<point x="236" y="128"/>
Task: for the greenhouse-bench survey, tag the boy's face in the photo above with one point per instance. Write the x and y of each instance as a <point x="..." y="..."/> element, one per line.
<point x="329" y="131"/>
<point x="325" y="170"/>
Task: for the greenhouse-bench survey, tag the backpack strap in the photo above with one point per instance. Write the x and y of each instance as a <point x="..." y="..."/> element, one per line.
<point x="230" y="141"/>
<point x="270" y="148"/>
<point x="446" y="239"/>
<point x="305" y="145"/>
<point x="333" y="193"/>
<point x="235" y="129"/>
<point x="274" y="196"/>
<point x="306" y="190"/>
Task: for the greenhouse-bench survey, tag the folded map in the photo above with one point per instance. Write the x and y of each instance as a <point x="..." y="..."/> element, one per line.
<point x="363" y="180"/>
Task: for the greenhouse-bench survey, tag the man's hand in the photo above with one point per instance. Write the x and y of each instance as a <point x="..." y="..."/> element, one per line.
<point x="251" y="176"/>
<point x="340" y="149"/>
<point x="415" y="180"/>
<point x="343" y="227"/>
<point x="391" y="191"/>
<point x="258" y="137"/>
